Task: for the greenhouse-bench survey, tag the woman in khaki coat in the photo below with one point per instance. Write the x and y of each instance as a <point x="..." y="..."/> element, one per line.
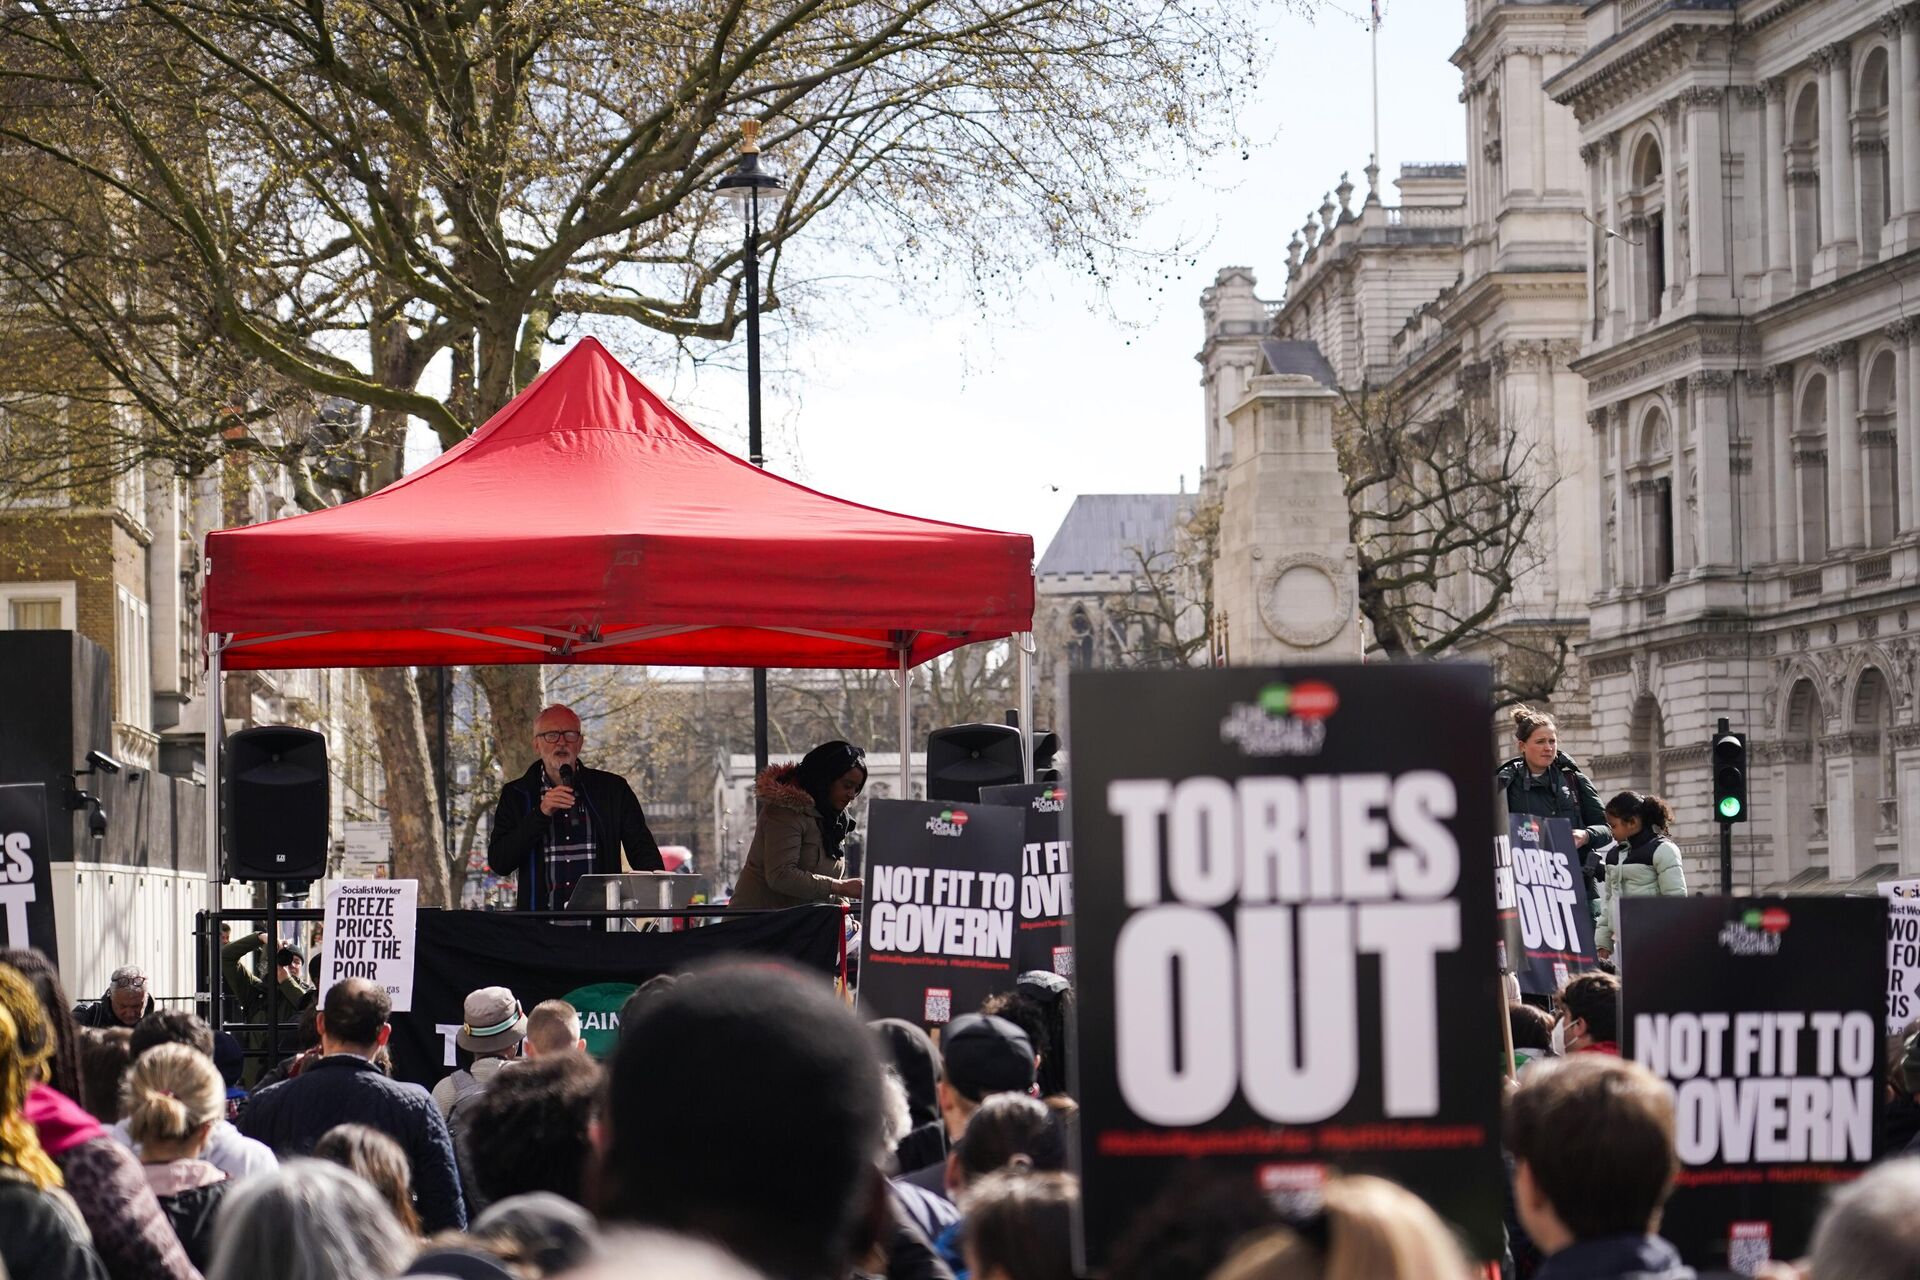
<point x="795" y="855"/>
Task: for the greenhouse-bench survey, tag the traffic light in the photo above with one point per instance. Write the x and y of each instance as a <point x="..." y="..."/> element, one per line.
<point x="1729" y="757"/>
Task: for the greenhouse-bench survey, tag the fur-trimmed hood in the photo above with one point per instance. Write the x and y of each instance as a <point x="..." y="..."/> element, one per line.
<point x="775" y="786"/>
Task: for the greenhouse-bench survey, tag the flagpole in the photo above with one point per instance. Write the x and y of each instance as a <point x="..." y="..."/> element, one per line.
<point x="1375" y="35"/>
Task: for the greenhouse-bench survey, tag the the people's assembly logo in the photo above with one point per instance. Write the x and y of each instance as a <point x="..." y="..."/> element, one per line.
<point x="948" y="822"/>
<point x="1758" y="932"/>
<point x="1287" y="720"/>
<point x="1052" y="800"/>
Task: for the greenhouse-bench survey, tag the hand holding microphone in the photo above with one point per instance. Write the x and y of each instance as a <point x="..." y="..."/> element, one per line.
<point x="560" y="797"/>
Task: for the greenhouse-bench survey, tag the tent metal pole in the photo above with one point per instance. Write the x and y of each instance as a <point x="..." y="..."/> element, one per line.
<point x="215" y="714"/>
<point x="906" y="720"/>
<point x="1023" y="645"/>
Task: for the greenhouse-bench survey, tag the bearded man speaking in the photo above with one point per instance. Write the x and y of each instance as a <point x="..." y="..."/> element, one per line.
<point x="560" y="820"/>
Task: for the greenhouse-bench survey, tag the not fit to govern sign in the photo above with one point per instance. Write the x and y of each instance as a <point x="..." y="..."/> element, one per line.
<point x="942" y="895"/>
<point x="370" y="934"/>
<point x="1044" y="937"/>
<point x="1765" y="1016"/>
<point x="26" y="869"/>
<point x="1285" y="958"/>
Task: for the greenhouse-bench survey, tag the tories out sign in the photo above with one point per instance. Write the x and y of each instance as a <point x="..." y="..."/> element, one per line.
<point x="1765" y="1016"/>
<point x="1543" y="904"/>
<point x="1285" y="960"/>
<point x="1043" y="938"/>
<point x="942" y="896"/>
<point x="26" y="869"/>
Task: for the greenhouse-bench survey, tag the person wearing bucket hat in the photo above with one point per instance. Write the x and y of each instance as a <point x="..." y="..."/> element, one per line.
<point x="492" y="1026"/>
<point x="795" y="857"/>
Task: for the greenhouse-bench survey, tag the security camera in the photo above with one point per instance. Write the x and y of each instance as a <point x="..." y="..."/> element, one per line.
<point x="97" y="821"/>
<point x="102" y="761"/>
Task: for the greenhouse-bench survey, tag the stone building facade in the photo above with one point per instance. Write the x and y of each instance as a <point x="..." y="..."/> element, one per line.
<point x="1753" y="170"/>
<point x="1466" y="297"/>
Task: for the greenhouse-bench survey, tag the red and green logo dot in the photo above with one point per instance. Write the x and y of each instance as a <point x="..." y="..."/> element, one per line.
<point x="1308" y="700"/>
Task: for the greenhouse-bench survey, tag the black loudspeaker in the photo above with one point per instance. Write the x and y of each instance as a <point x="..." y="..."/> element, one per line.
<point x="963" y="758"/>
<point x="273" y="804"/>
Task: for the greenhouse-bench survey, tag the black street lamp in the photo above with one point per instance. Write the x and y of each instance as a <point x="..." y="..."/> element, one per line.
<point x="746" y="186"/>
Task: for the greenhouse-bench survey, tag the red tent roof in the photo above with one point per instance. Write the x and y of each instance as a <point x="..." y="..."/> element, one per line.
<point x="587" y="522"/>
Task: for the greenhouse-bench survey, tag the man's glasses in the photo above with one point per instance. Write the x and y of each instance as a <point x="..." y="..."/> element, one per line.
<point x="554" y="737"/>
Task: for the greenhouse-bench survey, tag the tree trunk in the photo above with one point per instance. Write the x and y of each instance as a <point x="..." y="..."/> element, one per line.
<point x="515" y="695"/>
<point x="412" y="801"/>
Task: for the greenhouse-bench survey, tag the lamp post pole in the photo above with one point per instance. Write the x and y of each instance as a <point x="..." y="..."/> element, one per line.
<point x="747" y="184"/>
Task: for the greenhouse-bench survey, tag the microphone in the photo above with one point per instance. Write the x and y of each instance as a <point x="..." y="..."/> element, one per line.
<point x="566" y="775"/>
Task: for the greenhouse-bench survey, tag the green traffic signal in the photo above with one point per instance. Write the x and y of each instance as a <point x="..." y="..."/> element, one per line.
<point x="1730" y="807"/>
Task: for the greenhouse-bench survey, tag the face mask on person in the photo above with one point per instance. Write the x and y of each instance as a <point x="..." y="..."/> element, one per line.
<point x="1559" y="1039"/>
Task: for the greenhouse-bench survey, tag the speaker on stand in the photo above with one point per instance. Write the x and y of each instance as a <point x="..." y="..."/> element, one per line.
<point x="963" y="758"/>
<point x="273" y="805"/>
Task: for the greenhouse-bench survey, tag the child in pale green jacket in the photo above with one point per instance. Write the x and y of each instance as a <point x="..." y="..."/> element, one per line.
<point x="1642" y="862"/>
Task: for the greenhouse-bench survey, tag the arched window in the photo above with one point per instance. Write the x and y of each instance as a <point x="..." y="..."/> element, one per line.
<point x="1646" y="735"/>
<point x="1876" y="452"/>
<point x="1080" y="640"/>
<point x="1653" y="488"/>
<point x="1870" y="142"/>
<point x="1803" y="181"/>
<point x="1810" y="468"/>
<point x="1800" y="834"/>
<point x="1649" y="200"/>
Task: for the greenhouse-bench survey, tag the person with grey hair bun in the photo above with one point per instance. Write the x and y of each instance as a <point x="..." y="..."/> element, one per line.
<point x="1871" y="1228"/>
<point x="309" y="1220"/>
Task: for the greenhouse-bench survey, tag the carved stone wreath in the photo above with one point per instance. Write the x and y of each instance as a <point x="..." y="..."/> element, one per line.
<point x="1315" y="626"/>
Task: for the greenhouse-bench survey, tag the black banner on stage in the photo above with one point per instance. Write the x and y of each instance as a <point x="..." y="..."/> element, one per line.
<point x="1545" y="915"/>
<point x="1285" y="919"/>
<point x="1765" y="1014"/>
<point x="942" y="897"/>
<point x="1043" y="939"/>
<point x="26" y="869"/>
<point x="462" y="951"/>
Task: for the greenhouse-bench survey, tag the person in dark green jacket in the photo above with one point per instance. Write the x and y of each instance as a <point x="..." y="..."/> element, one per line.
<point x="250" y="992"/>
<point x="1543" y="782"/>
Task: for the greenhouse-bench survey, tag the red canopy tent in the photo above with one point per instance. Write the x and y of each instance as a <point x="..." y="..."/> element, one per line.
<point x="588" y="522"/>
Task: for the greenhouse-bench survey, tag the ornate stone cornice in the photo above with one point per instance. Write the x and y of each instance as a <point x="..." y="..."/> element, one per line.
<point x="1589" y="152"/>
<point x="1838" y="54"/>
<point x="1701" y="97"/>
<point x="1782" y="752"/>
<point x="1899" y="330"/>
<point x="1810" y="457"/>
<point x="1775" y="87"/>
<point x="1710" y="380"/>
<point x="1878" y="435"/>
<point x="1643" y="486"/>
<point x="1611" y="144"/>
<point x="1904" y="736"/>
<point x="1741" y="464"/>
<point x="1751" y="96"/>
<point x="1834" y="352"/>
<point x="1851" y="744"/>
<point x="1889" y="26"/>
<point x="1597" y="419"/>
<point x="1781" y="371"/>
<point x="1611" y="664"/>
<point x="1869" y="146"/>
<point x="1764" y="375"/>
<point x="1677" y="389"/>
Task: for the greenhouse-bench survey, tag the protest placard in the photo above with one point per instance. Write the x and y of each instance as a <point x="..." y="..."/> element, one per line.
<point x="1285" y="923"/>
<point x="1043" y="938"/>
<point x="1544" y="908"/>
<point x="942" y="897"/>
<point x="370" y="934"/>
<point x="1765" y="1016"/>
<point x="26" y="869"/>
<point x="1903" y="952"/>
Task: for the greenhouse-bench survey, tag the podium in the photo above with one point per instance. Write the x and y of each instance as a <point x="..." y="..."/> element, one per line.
<point x="643" y="890"/>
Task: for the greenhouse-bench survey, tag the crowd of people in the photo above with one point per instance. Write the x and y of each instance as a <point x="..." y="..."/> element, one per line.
<point x="747" y="1124"/>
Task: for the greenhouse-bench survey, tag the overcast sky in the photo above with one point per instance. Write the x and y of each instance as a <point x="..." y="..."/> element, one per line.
<point x="976" y="419"/>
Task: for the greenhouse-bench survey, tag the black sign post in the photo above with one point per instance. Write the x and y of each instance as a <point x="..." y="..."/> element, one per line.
<point x="1286" y="934"/>
<point x="1766" y="1016"/>
<point x="1043" y="938"/>
<point x="26" y="869"/>
<point x="942" y="899"/>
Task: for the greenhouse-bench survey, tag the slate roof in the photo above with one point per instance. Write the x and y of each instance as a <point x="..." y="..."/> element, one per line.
<point x="1102" y="530"/>
<point x="1297" y="357"/>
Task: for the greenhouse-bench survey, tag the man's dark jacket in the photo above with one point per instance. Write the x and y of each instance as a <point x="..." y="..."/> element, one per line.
<point x="344" y="1089"/>
<point x="519" y="831"/>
